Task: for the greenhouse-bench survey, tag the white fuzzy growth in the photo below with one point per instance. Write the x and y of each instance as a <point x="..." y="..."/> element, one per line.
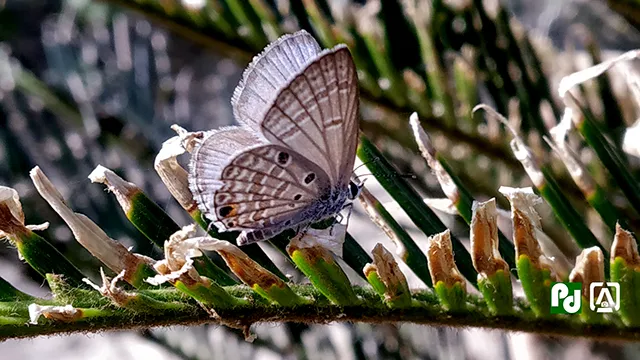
<point x="98" y="175"/>
<point x="115" y="183"/>
<point x="35" y="311"/>
<point x="179" y="252"/>
<point x="174" y="275"/>
<point x="331" y="238"/>
<point x="108" y="286"/>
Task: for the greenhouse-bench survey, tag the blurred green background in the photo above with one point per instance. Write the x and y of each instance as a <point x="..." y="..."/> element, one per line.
<point x="85" y="83"/>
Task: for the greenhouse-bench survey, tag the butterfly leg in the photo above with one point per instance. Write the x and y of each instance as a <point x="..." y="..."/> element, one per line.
<point x="208" y="226"/>
<point x="349" y="213"/>
<point x="340" y="217"/>
<point x="302" y="230"/>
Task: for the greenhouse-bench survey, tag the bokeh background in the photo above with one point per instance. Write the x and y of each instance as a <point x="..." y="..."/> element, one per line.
<point x="83" y="83"/>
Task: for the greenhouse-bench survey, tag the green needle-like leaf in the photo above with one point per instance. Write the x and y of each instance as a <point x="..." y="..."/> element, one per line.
<point x="411" y="202"/>
<point x="609" y="155"/>
<point x="157" y="226"/>
<point x="324" y="273"/>
<point x="45" y="258"/>
<point x="497" y="291"/>
<point x="407" y="248"/>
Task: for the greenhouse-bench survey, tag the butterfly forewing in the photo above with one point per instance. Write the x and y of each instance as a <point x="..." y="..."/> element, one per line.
<point x="267" y="186"/>
<point x="268" y="73"/>
<point x="350" y="110"/>
<point x="316" y="114"/>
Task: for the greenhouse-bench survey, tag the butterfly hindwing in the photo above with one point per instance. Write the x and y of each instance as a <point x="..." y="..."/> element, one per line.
<point x="267" y="186"/>
<point x="208" y="159"/>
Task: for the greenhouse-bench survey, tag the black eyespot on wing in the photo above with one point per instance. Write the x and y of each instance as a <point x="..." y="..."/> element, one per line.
<point x="225" y="211"/>
<point x="309" y="178"/>
<point x="297" y="197"/>
<point x="283" y="158"/>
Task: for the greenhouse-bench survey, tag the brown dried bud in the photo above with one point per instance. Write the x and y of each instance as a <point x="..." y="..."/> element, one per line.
<point x="12" y="218"/>
<point x="385" y="265"/>
<point x="174" y="176"/>
<point x="246" y="269"/>
<point x="525" y="222"/>
<point x="589" y="268"/>
<point x="484" y="239"/>
<point x="624" y="246"/>
<point x="441" y="264"/>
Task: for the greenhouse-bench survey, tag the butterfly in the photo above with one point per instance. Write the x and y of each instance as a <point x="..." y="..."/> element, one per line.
<point x="290" y="161"/>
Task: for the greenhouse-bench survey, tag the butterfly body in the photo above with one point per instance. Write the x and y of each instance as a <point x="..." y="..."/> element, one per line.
<point x="289" y="162"/>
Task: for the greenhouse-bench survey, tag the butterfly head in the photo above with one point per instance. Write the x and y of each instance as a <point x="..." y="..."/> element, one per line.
<point x="355" y="188"/>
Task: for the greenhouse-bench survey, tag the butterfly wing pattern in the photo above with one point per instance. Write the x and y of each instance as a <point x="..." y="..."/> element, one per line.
<point x="289" y="162"/>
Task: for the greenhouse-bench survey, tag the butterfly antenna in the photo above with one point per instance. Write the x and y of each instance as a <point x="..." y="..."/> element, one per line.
<point x="363" y="175"/>
<point x="409" y="176"/>
<point x="363" y="164"/>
